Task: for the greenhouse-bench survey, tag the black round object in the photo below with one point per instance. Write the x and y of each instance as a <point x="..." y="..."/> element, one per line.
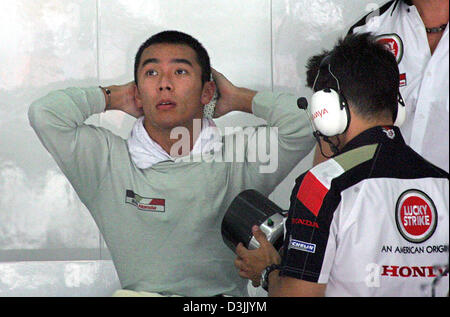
<point x="251" y="208"/>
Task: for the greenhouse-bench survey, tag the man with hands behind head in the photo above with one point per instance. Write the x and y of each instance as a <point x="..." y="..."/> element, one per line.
<point x="353" y="217"/>
<point x="157" y="198"/>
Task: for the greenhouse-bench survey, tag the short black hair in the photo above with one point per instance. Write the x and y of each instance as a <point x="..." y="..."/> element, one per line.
<point x="176" y="37"/>
<point x="367" y="72"/>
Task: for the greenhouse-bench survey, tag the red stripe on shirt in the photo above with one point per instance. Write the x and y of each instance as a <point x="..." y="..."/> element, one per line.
<point x="157" y="201"/>
<point x="311" y="193"/>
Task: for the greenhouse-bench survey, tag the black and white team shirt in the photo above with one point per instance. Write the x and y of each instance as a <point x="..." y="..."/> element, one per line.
<point x="372" y="221"/>
<point x="424" y="78"/>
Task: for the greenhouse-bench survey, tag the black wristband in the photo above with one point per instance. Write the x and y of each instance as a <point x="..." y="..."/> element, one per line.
<point x="265" y="275"/>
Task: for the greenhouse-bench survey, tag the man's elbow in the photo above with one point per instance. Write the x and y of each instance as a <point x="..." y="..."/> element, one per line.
<point x="34" y="115"/>
<point x="40" y="115"/>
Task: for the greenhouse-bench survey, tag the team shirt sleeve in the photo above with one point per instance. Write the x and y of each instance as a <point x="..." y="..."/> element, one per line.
<point x="310" y="241"/>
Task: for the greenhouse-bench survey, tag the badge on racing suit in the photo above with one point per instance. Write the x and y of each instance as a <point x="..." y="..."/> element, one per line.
<point x="415" y="215"/>
<point x="394" y="44"/>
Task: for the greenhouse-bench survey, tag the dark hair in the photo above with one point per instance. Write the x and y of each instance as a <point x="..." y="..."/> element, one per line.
<point x="176" y="37"/>
<point x="367" y="72"/>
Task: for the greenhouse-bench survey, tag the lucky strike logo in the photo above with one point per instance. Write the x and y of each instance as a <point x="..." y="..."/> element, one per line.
<point x="390" y="133"/>
<point x="393" y="43"/>
<point x="416" y="216"/>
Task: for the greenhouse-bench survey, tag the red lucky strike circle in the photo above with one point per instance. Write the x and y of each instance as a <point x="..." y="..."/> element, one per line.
<point x="391" y="44"/>
<point x="408" y="205"/>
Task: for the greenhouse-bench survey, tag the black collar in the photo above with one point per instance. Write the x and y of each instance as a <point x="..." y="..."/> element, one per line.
<point x="379" y="134"/>
<point x="408" y="2"/>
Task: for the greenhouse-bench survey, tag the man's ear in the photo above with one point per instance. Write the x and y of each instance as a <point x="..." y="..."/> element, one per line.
<point x="208" y="92"/>
<point x="137" y="97"/>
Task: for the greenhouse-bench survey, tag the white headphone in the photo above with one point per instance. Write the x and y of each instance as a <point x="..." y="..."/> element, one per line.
<point x="329" y="109"/>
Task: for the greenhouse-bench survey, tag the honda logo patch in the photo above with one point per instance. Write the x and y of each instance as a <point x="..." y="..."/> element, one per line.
<point x="144" y="203"/>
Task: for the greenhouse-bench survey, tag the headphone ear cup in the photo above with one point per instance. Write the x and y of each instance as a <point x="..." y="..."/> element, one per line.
<point x="401" y="112"/>
<point x="329" y="117"/>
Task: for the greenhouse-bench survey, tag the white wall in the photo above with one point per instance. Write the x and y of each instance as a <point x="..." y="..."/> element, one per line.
<point x="47" y="45"/>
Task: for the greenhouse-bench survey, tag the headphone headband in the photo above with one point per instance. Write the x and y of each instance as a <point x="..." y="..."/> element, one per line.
<point x="325" y="61"/>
